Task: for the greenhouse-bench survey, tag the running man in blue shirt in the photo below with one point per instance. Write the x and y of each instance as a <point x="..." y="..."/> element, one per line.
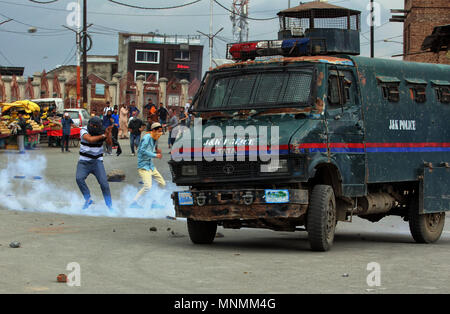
<point x="146" y="169"/>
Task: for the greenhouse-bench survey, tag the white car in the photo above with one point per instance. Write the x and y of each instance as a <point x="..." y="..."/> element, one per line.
<point x="51" y="103"/>
<point x="80" y="117"/>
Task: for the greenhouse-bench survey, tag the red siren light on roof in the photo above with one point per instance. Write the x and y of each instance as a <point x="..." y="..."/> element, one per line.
<point x="266" y="48"/>
<point x="243" y="51"/>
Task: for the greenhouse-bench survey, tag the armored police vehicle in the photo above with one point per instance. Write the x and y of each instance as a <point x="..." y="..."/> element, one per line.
<point x="347" y="136"/>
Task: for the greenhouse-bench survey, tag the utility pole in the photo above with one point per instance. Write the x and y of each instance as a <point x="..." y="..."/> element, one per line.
<point x="84" y="37"/>
<point x="211" y="36"/>
<point x="79" y="56"/>
<point x="372" y="30"/>
<point x="211" y="44"/>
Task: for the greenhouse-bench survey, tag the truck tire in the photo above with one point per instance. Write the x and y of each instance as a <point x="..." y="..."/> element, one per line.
<point x="425" y="228"/>
<point x="202" y="232"/>
<point x="321" y="218"/>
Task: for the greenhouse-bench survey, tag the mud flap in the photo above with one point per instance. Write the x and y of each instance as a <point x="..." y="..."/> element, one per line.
<point x="435" y="190"/>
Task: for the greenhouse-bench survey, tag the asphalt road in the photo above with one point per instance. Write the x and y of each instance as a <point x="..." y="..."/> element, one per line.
<point x="118" y="253"/>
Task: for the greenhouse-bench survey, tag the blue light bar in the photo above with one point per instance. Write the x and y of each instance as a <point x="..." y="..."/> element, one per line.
<point x="300" y="44"/>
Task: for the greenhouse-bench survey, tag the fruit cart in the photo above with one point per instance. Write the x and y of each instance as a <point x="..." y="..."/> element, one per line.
<point x="8" y="119"/>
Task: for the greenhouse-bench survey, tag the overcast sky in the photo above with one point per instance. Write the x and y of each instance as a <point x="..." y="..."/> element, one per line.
<point x="54" y="45"/>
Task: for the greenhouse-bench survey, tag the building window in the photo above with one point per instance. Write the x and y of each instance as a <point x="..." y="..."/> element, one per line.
<point x="147" y="56"/>
<point x="147" y="74"/>
<point x="100" y="89"/>
<point x="174" y="100"/>
<point x="183" y="76"/>
<point x="182" y="55"/>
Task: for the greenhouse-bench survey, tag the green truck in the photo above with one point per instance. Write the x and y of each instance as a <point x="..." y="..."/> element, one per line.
<point x="354" y="136"/>
<point x="365" y="137"/>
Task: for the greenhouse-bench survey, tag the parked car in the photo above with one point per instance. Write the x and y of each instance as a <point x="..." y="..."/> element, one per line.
<point x="80" y="117"/>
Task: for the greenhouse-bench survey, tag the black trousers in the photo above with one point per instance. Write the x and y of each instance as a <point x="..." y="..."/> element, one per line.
<point x="65" y="142"/>
<point x="115" y="133"/>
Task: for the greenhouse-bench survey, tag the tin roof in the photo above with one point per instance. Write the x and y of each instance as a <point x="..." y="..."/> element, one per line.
<point x="306" y="10"/>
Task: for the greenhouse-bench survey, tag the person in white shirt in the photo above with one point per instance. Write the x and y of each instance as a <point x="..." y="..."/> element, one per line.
<point x="107" y="108"/>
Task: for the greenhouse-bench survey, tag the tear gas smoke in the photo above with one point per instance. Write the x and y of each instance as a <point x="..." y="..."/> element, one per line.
<point x="24" y="187"/>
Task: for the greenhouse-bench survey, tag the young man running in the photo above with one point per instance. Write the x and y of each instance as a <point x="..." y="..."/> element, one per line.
<point x="146" y="169"/>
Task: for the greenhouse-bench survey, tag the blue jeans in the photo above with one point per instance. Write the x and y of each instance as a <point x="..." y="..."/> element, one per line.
<point x="134" y="141"/>
<point x="85" y="168"/>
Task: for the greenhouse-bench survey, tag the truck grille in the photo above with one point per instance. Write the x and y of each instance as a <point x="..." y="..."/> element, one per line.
<point x="228" y="169"/>
<point x="233" y="170"/>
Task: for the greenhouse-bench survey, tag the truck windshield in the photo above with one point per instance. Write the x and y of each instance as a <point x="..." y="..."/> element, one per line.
<point x="256" y="90"/>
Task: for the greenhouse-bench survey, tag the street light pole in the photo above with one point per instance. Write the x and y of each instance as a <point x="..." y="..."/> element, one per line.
<point x="210" y="35"/>
<point x="85" y="80"/>
<point x="211" y="43"/>
<point x="79" y="56"/>
<point x="372" y="30"/>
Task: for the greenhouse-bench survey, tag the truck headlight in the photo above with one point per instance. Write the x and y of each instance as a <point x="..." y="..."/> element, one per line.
<point x="189" y="171"/>
<point x="274" y="167"/>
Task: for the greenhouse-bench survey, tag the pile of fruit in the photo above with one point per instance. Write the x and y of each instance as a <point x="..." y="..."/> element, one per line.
<point x="4" y="128"/>
<point x="9" y="118"/>
<point x="34" y="125"/>
<point x="53" y="123"/>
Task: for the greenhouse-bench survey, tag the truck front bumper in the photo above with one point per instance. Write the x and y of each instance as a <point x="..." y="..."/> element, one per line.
<point x="217" y="205"/>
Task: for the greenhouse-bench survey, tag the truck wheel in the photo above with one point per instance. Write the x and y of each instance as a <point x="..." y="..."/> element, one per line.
<point x="426" y="228"/>
<point x="321" y="218"/>
<point x="202" y="232"/>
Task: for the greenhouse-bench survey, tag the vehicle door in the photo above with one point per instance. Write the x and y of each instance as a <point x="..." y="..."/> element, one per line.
<point x="345" y="129"/>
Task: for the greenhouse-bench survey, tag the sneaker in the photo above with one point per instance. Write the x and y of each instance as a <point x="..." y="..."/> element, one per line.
<point x="88" y="203"/>
<point x="111" y="209"/>
<point x="133" y="154"/>
<point x="136" y="205"/>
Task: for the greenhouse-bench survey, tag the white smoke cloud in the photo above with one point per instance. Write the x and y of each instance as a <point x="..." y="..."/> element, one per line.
<point x="25" y="188"/>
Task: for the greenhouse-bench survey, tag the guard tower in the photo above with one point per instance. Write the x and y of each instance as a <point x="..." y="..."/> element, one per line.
<point x="337" y="28"/>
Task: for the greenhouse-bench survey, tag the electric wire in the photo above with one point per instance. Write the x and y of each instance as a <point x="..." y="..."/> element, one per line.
<point x="30" y="25"/>
<point x="44" y="2"/>
<point x="7" y="60"/>
<point x="160" y="8"/>
<point x="70" y="53"/>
